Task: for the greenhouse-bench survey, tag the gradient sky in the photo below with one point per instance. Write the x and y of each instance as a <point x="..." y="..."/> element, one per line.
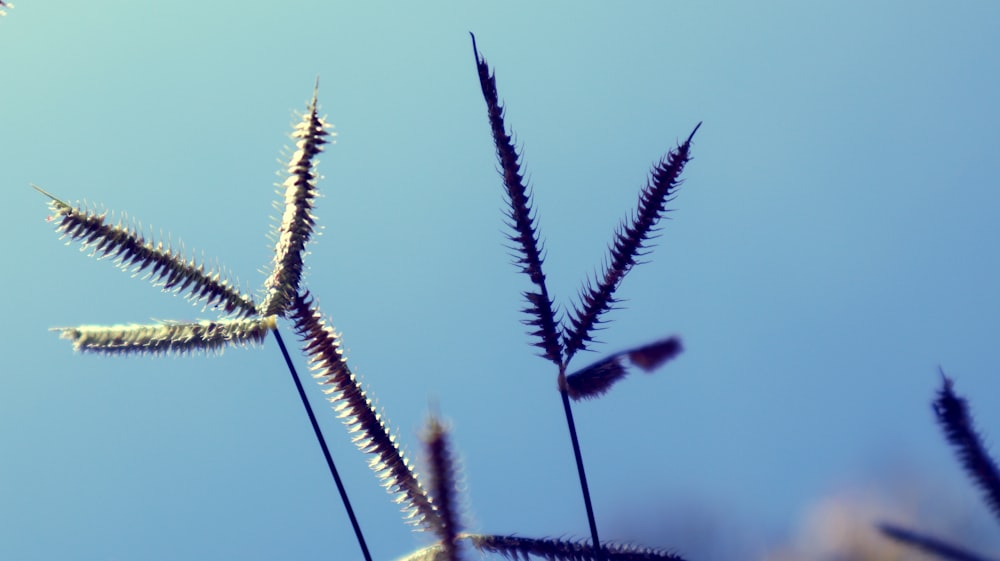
<point x="831" y="247"/>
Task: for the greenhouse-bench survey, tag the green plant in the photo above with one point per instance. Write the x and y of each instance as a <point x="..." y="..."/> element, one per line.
<point x="243" y="320"/>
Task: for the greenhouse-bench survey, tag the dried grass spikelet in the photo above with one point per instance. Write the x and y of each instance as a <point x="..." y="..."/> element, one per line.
<point x="596" y="379"/>
<point x="521" y="221"/>
<point x="519" y="548"/>
<point x="163" y="266"/>
<point x="630" y="241"/>
<point x="952" y="412"/>
<point x="355" y="408"/>
<point x="297" y="221"/>
<point x="168" y="337"/>
<point x="441" y="466"/>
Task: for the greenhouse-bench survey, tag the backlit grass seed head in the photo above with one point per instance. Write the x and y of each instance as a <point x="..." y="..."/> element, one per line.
<point x="366" y="425"/>
<point x="168" y="337"/>
<point x="297" y="220"/>
<point x="162" y="265"/>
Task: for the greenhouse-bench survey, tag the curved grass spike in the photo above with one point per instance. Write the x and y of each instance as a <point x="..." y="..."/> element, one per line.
<point x="953" y="415"/>
<point x="371" y="435"/>
<point x="168" y="337"/>
<point x="517" y="548"/>
<point x="131" y="252"/>
<point x="630" y="239"/>
<point x="297" y="221"/>
<point x="521" y="221"/>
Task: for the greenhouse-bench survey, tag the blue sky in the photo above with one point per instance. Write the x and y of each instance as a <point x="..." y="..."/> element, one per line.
<point x="832" y="246"/>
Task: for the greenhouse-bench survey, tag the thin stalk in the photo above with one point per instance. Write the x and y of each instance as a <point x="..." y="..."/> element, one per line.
<point x="326" y="451"/>
<point x="598" y="552"/>
<point x="928" y="544"/>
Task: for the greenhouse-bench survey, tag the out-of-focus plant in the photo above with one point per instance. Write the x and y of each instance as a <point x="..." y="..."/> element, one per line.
<point x="955" y="418"/>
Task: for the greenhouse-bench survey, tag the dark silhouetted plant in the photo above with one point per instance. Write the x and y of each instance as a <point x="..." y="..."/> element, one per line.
<point x="955" y="418"/>
<point x="560" y="340"/>
<point x="429" y="504"/>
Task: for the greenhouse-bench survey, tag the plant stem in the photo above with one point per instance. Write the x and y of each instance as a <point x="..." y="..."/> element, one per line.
<point x="598" y="551"/>
<point x="326" y="451"/>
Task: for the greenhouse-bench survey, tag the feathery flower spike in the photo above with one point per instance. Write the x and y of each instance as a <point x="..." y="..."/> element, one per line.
<point x="169" y="337"/>
<point x="355" y="408"/>
<point x="297" y="221"/>
<point x="522" y="220"/>
<point x="164" y="267"/>
<point x="630" y="239"/>
<point x="955" y="418"/>
<point x="517" y="548"/>
<point x="596" y="379"/>
<point x="953" y="415"/>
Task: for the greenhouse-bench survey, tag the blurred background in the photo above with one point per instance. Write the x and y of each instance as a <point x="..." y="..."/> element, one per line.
<point x="832" y="246"/>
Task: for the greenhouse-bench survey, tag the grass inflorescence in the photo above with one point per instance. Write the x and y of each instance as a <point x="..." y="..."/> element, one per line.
<point x="429" y="502"/>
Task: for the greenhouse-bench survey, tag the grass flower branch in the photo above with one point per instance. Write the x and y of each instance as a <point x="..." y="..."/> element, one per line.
<point x="352" y="404"/>
<point x="429" y="504"/>
<point x="630" y="240"/>
<point x="163" y="266"/>
<point x="441" y="465"/>
<point x="955" y="418"/>
<point x="169" y="337"/>
<point x="953" y="415"/>
<point x="561" y="339"/>
<point x="297" y="221"/>
<point x="173" y="272"/>
<point x="522" y="221"/>
<point x="517" y="548"/>
<point x="596" y="379"/>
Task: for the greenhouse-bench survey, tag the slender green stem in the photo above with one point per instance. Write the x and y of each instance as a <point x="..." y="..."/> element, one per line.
<point x="598" y="551"/>
<point x="326" y="451"/>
